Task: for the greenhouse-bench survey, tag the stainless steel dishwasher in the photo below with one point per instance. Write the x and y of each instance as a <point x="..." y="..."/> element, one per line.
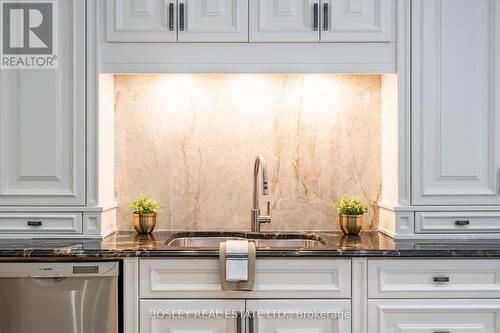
<point x="59" y="297"/>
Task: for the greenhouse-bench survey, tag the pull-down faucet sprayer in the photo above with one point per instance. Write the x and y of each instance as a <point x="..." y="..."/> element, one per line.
<point x="257" y="219"/>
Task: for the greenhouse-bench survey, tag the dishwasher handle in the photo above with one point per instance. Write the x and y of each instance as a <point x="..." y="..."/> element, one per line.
<point x="60" y="269"/>
<point x="55" y="276"/>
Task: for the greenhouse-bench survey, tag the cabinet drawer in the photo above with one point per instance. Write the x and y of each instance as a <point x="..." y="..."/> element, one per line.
<point x="34" y="223"/>
<point x="457" y="222"/>
<point x="278" y="278"/>
<point x="195" y="315"/>
<point x="428" y="316"/>
<point x="302" y="315"/>
<point x="429" y="278"/>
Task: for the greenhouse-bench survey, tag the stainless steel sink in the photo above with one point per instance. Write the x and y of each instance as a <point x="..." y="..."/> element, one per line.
<point x="286" y="243"/>
<point x="210" y="242"/>
<point x="265" y="240"/>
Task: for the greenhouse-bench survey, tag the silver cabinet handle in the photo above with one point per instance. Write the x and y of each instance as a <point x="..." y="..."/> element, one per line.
<point x="251" y="323"/>
<point x="441" y="279"/>
<point x="181" y="16"/>
<point x="325" y="16"/>
<point x="462" y="222"/>
<point x="34" y="223"/>
<point x="315" y="16"/>
<point x="238" y="322"/>
<point x="171" y="16"/>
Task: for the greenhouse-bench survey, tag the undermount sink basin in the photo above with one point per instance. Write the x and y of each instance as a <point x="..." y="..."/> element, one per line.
<point x="261" y="240"/>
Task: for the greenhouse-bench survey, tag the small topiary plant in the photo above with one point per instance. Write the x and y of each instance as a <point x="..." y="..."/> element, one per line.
<point x="351" y="206"/>
<point x="143" y="205"/>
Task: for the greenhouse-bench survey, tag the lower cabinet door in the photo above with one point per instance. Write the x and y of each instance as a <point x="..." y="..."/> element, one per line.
<point x="311" y="316"/>
<point x="182" y="316"/>
<point x="431" y="316"/>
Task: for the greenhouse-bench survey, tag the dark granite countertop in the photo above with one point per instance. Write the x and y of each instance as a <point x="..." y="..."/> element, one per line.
<point x="335" y="244"/>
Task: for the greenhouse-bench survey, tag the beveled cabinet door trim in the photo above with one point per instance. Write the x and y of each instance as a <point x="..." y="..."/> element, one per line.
<point x="455" y="114"/>
<point x="358" y="21"/>
<point x="291" y="278"/>
<point x="42" y="122"/>
<point x="434" y="278"/>
<point x="214" y="21"/>
<point x="284" y="20"/>
<point x="429" y="315"/>
<point x="141" y="21"/>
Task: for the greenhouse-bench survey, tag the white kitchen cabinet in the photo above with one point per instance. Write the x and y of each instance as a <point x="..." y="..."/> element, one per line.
<point x="141" y="20"/>
<point x="177" y="20"/>
<point x="357" y="20"/>
<point x="325" y="20"/>
<point x="434" y="278"/>
<point x="274" y="278"/>
<point x="457" y="222"/>
<point x="455" y="105"/>
<point x="33" y="223"/>
<point x="432" y="316"/>
<point x="318" y="316"/>
<point x="394" y="296"/>
<point x="42" y="122"/>
<point x="277" y="303"/>
<point x="284" y="20"/>
<point x="196" y="315"/>
<point x="213" y="20"/>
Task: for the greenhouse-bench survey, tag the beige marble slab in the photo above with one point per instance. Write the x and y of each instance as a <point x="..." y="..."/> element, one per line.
<point x="190" y="142"/>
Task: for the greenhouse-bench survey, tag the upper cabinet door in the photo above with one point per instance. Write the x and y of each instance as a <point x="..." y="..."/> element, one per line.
<point x="213" y="20"/>
<point x="141" y="21"/>
<point x="455" y="102"/>
<point x="357" y="20"/>
<point x="42" y="119"/>
<point x="284" y="20"/>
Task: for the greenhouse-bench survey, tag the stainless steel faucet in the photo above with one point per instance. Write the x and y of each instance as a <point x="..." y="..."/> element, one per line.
<point x="257" y="219"/>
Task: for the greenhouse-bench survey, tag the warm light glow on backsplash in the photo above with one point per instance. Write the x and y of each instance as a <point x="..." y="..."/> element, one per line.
<point x="190" y="141"/>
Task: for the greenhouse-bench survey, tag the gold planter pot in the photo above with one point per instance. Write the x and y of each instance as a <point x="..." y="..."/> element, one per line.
<point x="144" y="223"/>
<point x="351" y="224"/>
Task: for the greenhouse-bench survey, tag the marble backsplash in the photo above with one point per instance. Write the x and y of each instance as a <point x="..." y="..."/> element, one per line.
<point x="189" y="141"/>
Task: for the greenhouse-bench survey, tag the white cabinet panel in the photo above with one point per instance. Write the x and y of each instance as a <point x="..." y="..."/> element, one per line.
<point x="455" y="109"/>
<point x="430" y="316"/>
<point x="141" y="21"/>
<point x="357" y="20"/>
<point x="427" y="278"/>
<point x="457" y="222"/>
<point x="283" y="21"/>
<point x="39" y="223"/>
<point x="186" y="316"/>
<point x="42" y="122"/>
<point x="213" y="21"/>
<point x="299" y="316"/>
<point x="297" y="278"/>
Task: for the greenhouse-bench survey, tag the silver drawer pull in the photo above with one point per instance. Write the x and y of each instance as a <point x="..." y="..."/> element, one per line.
<point x="315" y="16"/>
<point x="441" y="331"/>
<point x="238" y="322"/>
<point x="462" y="222"/>
<point x="171" y="17"/>
<point x="441" y="279"/>
<point x="181" y="16"/>
<point x="34" y="223"/>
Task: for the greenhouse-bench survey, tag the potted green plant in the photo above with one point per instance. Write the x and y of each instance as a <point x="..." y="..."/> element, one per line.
<point x="351" y="214"/>
<point x="144" y="212"/>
